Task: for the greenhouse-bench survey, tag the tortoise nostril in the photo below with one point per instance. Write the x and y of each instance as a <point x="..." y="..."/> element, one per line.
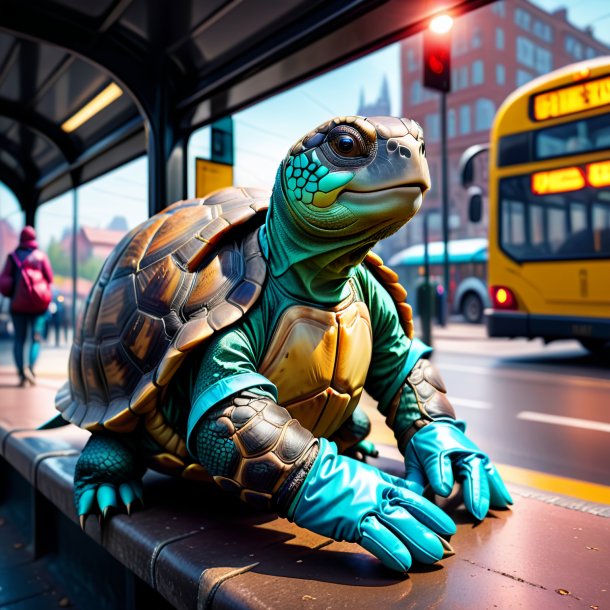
<point x="404" y="152"/>
<point x="392" y="145"/>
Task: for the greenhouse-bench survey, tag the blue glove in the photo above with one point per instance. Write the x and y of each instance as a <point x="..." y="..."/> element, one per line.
<point x="439" y="450"/>
<point x="348" y="500"/>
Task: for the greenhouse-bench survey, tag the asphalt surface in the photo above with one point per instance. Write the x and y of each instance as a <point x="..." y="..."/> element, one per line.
<point x="546" y="411"/>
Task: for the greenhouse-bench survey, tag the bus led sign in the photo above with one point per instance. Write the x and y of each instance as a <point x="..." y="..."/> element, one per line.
<point x="598" y="174"/>
<point x="570" y="100"/>
<point x="558" y="181"/>
<point x="569" y="179"/>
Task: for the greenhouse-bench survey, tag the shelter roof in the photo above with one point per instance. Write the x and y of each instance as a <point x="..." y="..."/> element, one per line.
<point x="202" y="60"/>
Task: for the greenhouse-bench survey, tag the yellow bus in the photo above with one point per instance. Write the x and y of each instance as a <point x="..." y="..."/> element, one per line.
<point x="549" y="208"/>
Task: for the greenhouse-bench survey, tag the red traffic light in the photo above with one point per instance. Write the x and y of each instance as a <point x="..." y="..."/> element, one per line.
<point x="435" y="64"/>
<point x="437" y="61"/>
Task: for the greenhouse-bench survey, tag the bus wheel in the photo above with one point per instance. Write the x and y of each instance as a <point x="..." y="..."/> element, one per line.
<point x="472" y="307"/>
<point x="595" y="346"/>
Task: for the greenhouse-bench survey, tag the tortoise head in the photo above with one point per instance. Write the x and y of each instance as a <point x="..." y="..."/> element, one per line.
<point x="356" y="176"/>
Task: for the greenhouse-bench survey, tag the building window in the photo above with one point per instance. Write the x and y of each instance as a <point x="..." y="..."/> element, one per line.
<point x="463" y="77"/>
<point x="523" y="19"/>
<point x="498" y="8"/>
<point x="500" y="74"/>
<point x="451" y="123"/>
<point x="416" y="93"/>
<point x="523" y="77"/>
<point x="544" y="60"/>
<point x="411" y="60"/>
<point x="543" y="31"/>
<point x="499" y="38"/>
<point x="590" y="53"/>
<point x="464" y="119"/>
<point x="573" y="47"/>
<point x="525" y="52"/>
<point x="477" y="72"/>
<point x="484" y="111"/>
<point x="475" y="41"/>
<point x="432" y="127"/>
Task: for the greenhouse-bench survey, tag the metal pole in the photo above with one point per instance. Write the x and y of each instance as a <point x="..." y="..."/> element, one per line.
<point x="425" y="314"/>
<point x="445" y="204"/>
<point x="74" y="257"/>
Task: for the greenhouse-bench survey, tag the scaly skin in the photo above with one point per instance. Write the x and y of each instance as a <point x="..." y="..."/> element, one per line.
<point x="108" y="476"/>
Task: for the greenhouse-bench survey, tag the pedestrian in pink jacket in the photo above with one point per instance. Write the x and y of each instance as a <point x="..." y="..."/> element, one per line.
<point x="27" y="279"/>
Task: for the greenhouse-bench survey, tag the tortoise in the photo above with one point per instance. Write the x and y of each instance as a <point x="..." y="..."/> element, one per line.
<point x="213" y="313"/>
<point x="170" y="283"/>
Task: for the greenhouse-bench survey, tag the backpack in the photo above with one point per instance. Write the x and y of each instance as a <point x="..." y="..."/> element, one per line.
<point x="32" y="292"/>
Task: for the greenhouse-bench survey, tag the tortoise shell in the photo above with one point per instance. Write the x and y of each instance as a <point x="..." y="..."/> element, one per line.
<point x="167" y="286"/>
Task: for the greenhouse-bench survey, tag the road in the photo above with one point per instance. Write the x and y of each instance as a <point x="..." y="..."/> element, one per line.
<point x="542" y="408"/>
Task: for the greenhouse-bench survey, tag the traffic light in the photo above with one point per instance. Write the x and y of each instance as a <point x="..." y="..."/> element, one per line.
<point x="437" y="61"/>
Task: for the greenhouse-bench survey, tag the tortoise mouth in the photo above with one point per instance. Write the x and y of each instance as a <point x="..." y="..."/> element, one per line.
<point x="407" y="195"/>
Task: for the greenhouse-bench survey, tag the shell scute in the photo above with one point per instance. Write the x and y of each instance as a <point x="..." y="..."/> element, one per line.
<point x="133" y="253"/>
<point x="221" y="271"/>
<point x="190" y="254"/>
<point x="192" y="333"/>
<point x="177" y="229"/>
<point x="245" y="295"/>
<point x="119" y="301"/>
<point x="144" y="337"/>
<point x="92" y="310"/>
<point x="92" y="374"/>
<point x="213" y="231"/>
<point x="157" y="285"/>
<point x="74" y="372"/>
<point x="224" y="314"/>
<point x="121" y="372"/>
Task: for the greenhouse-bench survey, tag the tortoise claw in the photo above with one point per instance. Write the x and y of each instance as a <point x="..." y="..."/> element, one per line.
<point x="447" y="548"/>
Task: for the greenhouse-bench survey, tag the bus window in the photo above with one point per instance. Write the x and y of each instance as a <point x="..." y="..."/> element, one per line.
<point x="571" y="138"/>
<point x="578" y="216"/>
<point x="563" y="226"/>
<point x="513" y="224"/>
<point x="557" y="228"/>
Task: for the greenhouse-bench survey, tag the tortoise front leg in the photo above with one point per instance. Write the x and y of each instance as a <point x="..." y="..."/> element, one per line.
<point x="108" y="475"/>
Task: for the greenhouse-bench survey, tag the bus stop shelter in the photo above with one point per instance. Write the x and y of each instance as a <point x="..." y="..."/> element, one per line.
<point x="168" y="69"/>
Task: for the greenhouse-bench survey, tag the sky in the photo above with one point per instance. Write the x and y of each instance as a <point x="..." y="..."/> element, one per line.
<point x="263" y="133"/>
<point x="582" y="13"/>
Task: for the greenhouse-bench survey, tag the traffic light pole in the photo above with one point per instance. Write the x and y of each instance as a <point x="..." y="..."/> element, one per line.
<point x="445" y="205"/>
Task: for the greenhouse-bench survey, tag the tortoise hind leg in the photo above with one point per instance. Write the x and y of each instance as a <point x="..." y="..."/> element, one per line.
<point x="351" y="435"/>
<point x="108" y="475"/>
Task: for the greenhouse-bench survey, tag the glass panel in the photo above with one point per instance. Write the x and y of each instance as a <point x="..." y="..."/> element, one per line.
<point x="54" y="228"/>
<point x="561" y="226"/>
<point x="107" y="209"/>
<point x="575" y="137"/>
<point x="578" y="217"/>
<point x="11" y="222"/>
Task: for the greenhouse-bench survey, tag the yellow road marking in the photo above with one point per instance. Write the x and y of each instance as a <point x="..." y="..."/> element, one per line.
<point x="591" y="492"/>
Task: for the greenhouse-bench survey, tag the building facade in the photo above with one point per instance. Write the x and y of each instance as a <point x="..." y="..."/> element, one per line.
<point x="495" y="50"/>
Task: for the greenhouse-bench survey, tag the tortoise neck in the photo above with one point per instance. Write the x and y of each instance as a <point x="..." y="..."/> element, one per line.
<point x="307" y="268"/>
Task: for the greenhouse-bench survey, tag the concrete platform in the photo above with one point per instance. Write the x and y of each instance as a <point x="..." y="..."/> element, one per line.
<point x="199" y="549"/>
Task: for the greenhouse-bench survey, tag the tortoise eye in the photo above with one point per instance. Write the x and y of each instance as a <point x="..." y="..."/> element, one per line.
<point x="347" y="144"/>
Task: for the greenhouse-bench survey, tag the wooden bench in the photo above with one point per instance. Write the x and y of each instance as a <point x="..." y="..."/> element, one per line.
<point x="193" y="547"/>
